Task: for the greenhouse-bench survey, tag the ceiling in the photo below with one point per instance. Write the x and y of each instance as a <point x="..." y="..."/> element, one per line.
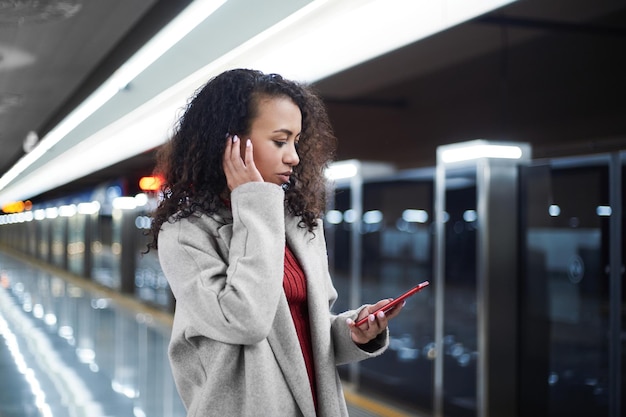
<point x="548" y="73"/>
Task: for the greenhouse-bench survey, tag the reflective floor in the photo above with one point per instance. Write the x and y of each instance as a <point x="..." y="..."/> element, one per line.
<point x="68" y="351"/>
<point x="70" y="348"/>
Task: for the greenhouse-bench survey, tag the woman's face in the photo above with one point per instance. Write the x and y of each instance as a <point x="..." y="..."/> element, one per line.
<point x="274" y="134"/>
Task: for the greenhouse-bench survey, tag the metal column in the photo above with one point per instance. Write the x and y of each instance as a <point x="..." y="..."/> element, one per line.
<point x="496" y="183"/>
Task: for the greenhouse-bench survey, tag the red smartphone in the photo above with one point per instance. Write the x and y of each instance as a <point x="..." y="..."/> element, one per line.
<point x="395" y="301"/>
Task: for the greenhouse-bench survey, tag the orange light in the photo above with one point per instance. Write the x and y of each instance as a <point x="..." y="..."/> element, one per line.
<point x="14" y="207"/>
<point x="151" y="183"/>
<point x="5" y="282"/>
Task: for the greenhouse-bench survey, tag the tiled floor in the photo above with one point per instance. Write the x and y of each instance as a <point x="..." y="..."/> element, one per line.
<point x="68" y="351"/>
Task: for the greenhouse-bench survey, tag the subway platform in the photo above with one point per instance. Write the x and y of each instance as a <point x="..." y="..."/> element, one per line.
<point x="70" y="347"/>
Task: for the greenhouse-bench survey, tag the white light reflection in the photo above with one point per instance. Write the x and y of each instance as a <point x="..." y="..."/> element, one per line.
<point x="334" y="216"/>
<point x="415" y="216"/>
<point x="40" y="214"/>
<point x="88" y="208"/>
<point x="52" y="213"/>
<point x="38" y="311"/>
<point x="79" y="400"/>
<point x="138" y="412"/>
<point x="470" y="216"/>
<point x="373" y="217"/>
<point x="100" y="303"/>
<point x="86" y="355"/>
<point x="125" y="203"/>
<point x="604" y="211"/>
<point x="553" y="378"/>
<point x="67" y="211"/>
<point x="125" y="390"/>
<point x="66" y="332"/>
<point x="349" y="216"/>
<point x="554" y="210"/>
<point x="10" y="341"/>
<point x="141" y="199"/>
<point x="143" y="222"/>
<point x="50" y="319"/>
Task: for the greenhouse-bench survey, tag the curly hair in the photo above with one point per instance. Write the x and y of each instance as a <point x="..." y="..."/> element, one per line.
<point x="191" y="161"/>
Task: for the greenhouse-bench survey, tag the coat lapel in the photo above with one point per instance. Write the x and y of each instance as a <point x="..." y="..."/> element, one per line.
<point x="311" y="253"/>
<point x="286" y="347"/>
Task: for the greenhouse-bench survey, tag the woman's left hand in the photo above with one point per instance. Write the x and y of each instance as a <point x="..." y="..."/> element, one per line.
<point x="375" y="324"/>
<point x="239" y="169"/>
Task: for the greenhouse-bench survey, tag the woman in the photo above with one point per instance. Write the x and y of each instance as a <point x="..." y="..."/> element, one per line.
<point x="241" y="243"/>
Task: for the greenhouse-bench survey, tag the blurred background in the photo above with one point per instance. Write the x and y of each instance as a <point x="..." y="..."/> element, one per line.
<point x="482" y="147"/>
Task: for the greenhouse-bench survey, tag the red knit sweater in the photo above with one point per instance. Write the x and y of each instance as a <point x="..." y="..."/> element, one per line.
<point x="294" y="284"/>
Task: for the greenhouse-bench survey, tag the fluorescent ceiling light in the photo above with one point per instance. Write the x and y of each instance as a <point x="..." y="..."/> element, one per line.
<point x="171" y="34"/>
<point x="326" y="36"/>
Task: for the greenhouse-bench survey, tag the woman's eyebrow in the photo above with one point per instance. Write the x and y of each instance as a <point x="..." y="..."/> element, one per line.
<point x="287" y="131"/>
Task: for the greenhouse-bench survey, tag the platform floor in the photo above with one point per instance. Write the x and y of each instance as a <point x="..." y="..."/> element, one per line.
<point x="69" y="347"/>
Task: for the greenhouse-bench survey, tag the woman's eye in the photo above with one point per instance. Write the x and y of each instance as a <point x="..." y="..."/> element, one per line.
<point x="280" y="143"/>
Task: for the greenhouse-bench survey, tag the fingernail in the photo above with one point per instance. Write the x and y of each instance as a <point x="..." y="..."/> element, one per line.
<point x="248" y="143"/>
<point x="348" y="322"/>
<point x="235" y="138"/>
<point x="371" y="317"/>
<point x="381" y="314"/>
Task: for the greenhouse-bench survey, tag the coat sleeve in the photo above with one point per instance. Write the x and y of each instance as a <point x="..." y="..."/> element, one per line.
<point x="346" y="350"/>
<point x="227" y="279"/>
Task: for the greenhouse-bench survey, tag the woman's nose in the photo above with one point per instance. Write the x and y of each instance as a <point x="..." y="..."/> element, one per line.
<point x="291" y="157"/>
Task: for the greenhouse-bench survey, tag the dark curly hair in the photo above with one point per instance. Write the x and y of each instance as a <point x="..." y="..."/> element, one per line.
<point x="191" y="162"/>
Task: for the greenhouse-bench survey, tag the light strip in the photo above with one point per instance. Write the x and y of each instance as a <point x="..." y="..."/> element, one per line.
<point x="341" y="170"/>
<point x="337" y="35"/>
<point x="470" y="152"/>
<point x="316" y="41"/>
<point x="171" y="34"/>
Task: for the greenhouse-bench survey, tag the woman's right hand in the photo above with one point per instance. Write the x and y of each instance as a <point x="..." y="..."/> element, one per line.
<point x="239" y="170"/>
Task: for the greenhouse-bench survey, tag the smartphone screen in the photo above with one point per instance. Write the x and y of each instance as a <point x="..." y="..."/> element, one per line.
<point x="395" y="301"/>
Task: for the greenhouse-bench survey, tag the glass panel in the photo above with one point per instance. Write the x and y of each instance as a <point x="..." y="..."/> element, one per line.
<point x="565" y="300"/>
<point x="105" y="268"/>
<point x="31" y="238"/>
<point x="150" y="282"/>
<point x="339" y="244"/>
<point x="397" y="255"/>
<point x="76" y="244"/>
<point x="43" y="238"/>
<point x="59" y="239"/>
<point x="460" y="312"/>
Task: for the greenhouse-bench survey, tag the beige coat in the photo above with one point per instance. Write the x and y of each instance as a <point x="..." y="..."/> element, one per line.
<point x="234" y="349"/>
